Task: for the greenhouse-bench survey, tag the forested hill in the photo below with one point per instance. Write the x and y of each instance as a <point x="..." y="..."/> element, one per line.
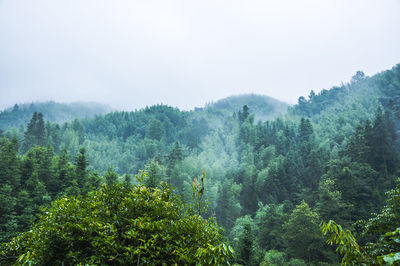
<point x="337" y="111"/>
<point x="263" y="107"/>
<point x="268" y="183"/>
<point x="383" y="86"/>
<point x="52" y="111"/>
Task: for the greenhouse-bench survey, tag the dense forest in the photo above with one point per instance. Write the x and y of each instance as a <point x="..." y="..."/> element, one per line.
<point x="246" y="180"/>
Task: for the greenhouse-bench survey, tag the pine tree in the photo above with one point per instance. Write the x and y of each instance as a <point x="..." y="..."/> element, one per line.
<point x="245" y="245"/>
<point x="35" y="133"/>
<point x="40" y="131"/>
<point x="110" y="176"/>
<point x="305" y="243"/>
<point x="81" y="173"/>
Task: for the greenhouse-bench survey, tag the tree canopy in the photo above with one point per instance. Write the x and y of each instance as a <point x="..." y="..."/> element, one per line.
<point x="120" y="225"/>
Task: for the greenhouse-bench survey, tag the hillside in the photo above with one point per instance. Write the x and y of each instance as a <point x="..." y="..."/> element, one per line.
<point x="337" y="111"/>
<point x="52" y="111"/>
<point x="269" y="184"/>
<point x="263" y="107"/>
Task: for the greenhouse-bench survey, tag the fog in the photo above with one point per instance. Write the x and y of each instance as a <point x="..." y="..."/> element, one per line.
<point x="130" y="54"/>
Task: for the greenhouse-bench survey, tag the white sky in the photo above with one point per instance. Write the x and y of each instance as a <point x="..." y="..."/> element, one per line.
<point x="131" y="53"/>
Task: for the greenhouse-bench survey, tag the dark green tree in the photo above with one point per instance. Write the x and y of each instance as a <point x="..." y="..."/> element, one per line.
<point x="245" y="245"/>
<point x="155" y="130"/>
<point x="307" y="243"/>
<point x="35" y="133"/>
<point x="81" y="172"/>
<point x="110" y="176"/>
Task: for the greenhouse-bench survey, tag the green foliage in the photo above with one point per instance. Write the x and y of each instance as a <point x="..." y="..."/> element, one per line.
<point x="383" y="250"/>
<point x="110" y="176"/>
<point x="330" y="204"/>
<point x="31" y="181"/>
<point x="346" y="242"/>
<point x="269" y="220"/>
<point x="338" y="151"/>
<point x="228" y="207"/>
<point x="198" y="205"/>
<point x="307" y="243"/>
<point x="35" y="133"/>
<point x="274" y="258"/>
<point x="154" y="174"/>
<point x="120" y="225"/>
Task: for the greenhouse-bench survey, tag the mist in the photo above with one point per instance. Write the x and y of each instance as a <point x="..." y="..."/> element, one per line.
<point x="130" y="54"/>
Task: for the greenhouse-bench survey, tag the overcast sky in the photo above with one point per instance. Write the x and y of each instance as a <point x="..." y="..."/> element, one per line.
<point x="130" y="54"/>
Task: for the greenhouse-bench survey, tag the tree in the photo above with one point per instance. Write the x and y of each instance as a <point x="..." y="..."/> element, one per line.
<point x="29" y="136"/>
<point x="120" y="225"/>
<point x="276" y="258"/>
<point x="245" y="244"/>
<point x="35" y="133"/>
<point x="110" y="176"/>
<point x="81" y="172"/>
<point x="79" y="129"/>
<point x="155" y="130"/>
<point x="228" y="206"/>
<point x="174" y="158"/>
<point x="382" y="250"/>
<point x="40" y="131"/>
<point x="307" y="243"/>
<point x="9" y="183"/>
<point x="358" y="77"/>
<point x="243" y="114"/>
<point x="153" y="176"/>
<point x="127" y="180"/>
<point x="330" y="204"/>
<point x="269" y="220"/>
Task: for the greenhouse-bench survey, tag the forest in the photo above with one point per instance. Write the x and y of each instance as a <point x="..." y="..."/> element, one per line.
<point x="247" y="180"/>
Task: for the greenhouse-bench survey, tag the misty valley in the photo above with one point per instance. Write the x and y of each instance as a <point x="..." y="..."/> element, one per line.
<point x="245" y="180"/>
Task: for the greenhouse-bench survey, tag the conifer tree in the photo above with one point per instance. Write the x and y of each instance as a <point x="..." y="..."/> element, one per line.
<point x="81" y="171"/>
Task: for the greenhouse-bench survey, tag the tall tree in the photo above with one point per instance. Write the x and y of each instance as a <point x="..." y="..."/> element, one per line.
<point x="35" y="133"/>
<point x="81" y="172"/>
<point x="307" y="243"/>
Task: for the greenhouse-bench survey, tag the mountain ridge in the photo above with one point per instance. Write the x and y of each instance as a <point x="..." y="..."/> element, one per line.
<point x="53" y="112"/>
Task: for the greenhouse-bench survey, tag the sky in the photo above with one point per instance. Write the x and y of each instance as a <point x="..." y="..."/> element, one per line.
<point x="131" y="54"/>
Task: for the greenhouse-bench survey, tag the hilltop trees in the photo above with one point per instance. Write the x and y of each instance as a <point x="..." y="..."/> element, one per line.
<point x="35" y="133"/>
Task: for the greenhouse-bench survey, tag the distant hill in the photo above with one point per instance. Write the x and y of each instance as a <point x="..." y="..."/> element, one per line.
<point x="337" y="111"/>
<point x="52" y="111"/>
<point x="382" y="88"/>
<point x="264" y="107"/>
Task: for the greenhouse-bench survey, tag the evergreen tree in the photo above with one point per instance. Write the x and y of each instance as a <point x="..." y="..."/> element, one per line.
<point x="81" y="173"/>
<point x="35" y="133"/>
<point x="174" y="158"/>
<point x="9" y="184"/>
<point x="29" y="136"/>
<point x="155" y="130"/>
<point x="243" y="114"/>
<point x="307" y="243"/>
<point x="127" y="180"/>
<point x="228" y="208"/>
<point x="245" y="245"/>
<point x="110" y="176"/>
<point x="153" y="177"/>
<point x="40" y="131"/>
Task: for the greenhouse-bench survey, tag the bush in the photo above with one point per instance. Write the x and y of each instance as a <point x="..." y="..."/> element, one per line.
<point x="119" y="225"/>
